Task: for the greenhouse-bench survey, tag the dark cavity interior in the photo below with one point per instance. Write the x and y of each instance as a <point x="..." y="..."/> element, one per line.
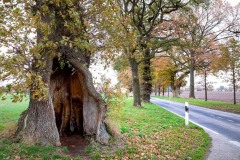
<point x="67" y="97"/>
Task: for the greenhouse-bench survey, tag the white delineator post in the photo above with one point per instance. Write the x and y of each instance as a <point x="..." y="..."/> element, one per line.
<point x="186" y="114"/>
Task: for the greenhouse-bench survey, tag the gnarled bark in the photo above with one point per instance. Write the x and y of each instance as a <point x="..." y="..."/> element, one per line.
<point x="147" y="78"/>
<point x="37" y="124"/>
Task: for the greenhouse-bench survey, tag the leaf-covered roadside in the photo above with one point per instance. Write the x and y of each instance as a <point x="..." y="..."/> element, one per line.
<point x="154" y="133"/>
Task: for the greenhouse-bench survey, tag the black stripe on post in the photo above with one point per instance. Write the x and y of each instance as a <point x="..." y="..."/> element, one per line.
<point x="186" y="109"/>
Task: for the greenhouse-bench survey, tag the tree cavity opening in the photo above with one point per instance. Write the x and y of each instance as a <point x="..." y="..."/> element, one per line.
<point x="67" y="97"/>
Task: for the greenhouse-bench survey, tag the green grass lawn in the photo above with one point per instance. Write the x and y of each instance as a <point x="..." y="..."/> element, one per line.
<point x="149" y="132"/>
<point x="223" y="106"/>
<point x="10" y="112"/>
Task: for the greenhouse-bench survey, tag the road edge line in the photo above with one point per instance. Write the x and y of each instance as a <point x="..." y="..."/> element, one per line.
<point x="235" y="143"/>
<point x="190" y="120"/>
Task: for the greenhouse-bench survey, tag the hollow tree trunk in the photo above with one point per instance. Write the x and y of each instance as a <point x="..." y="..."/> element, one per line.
<point x="77" y="106"/>
<point x="192" y="92"/>
<point x="147" y="77"/>
<point x="94" y="108"/>
<point x="135" y="82"/>
<point x="67" y="94"/>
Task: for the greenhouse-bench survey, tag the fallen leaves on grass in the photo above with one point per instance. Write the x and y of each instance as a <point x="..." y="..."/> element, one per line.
<point x="170" y="143"/>
<point x="154" y="133"/>
<point x="9" y="130"/>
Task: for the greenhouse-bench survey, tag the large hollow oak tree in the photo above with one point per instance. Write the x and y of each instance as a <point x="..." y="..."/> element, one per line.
<point x="63" y="100"/>
<point x="72" y="105"/>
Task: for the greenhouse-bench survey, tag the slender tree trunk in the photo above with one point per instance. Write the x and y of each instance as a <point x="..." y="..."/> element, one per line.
<point x="147" y="77"/>
<point x="205" y="84"/>
<point x="155" y="89"/>
<point x="234" y="86"/>
<point x="173" y="86"/>
<point x="174" y="93"/>
<point x="192" y="68"/>
<point x="163" y="91"/>
<point x="167" y="91"/>
<point x="179" y="91"/>
<point x="135" y="82"/>
<point x="159" y="90"/>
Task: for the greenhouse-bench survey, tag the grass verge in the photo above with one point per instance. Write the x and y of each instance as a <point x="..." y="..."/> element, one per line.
<point x="222" y="106"/>
<point x="151" y="132"/>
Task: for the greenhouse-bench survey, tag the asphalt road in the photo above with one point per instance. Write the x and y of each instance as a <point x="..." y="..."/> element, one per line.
<point x="223" y="127"/>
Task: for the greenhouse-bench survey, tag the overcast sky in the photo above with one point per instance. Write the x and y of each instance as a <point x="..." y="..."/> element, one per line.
<point x="233" y="2"/>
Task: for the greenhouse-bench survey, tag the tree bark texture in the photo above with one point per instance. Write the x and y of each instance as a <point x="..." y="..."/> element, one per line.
<point x="192" y="89"/>
<point x="163" y="90"/>
<point x="175" y="92"/>
<point x="37" y="124"/>
<point x="234" y="86"/>
<point x="67" y="97"/>
<point x="155" y="90"/>
<point x="94" y="108"/>
<point x="159" y="90"/>
<point x="146" y="77"/>
<point x="205" y="84"/>
<point x="168" y="91"/>
<point x="135" y="82"/>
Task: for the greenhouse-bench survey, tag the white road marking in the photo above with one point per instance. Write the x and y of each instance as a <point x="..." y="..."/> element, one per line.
<point x="204" y="127"/>
<point x="192" y="121"/>
<point x="235" y="142"/>
<point x="230" y="120"/>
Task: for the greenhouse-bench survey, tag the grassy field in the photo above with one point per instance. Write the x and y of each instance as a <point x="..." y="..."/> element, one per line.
<point x="149" y="132"/>
<point x="223" y="106"/>
<point x="10" y="112"/>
